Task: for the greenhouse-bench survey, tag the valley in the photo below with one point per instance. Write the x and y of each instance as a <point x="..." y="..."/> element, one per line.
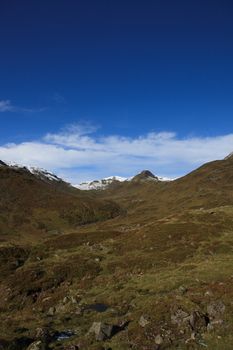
<point x="138" y="265"/>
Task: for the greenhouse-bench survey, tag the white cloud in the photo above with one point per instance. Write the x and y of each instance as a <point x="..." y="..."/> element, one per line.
<point x="77" y="154"/>
<point x="6" y="106"/>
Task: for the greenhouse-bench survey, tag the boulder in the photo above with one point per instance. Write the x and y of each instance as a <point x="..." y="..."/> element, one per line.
<point x="101" y="330"/>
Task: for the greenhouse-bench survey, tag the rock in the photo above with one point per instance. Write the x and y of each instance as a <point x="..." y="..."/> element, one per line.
<point x="179" y="317"/>
<point x="65" y="300"/>
<point x="197" y="321"/>
<point x="60" y="308"/>
<point x="158" y="339"/>
<point x="51" y="311"/>
<point x="37" y="345"/>
<point x="144" y="320"/>
<point x="101" y="330"/>
<point x="73" y="300"/>
<point x="216" y="309"/>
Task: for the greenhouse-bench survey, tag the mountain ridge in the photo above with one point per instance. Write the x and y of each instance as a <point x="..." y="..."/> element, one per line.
<point x="102" y="184"/>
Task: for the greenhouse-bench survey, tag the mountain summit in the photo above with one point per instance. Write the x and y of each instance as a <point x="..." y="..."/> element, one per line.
<point x="145" y="175"/>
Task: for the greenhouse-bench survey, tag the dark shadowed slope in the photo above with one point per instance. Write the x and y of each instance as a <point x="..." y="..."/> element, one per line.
<point x="30" y="205"/>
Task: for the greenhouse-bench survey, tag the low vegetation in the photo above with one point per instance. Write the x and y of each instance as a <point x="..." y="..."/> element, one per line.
<point x="142" y="266"/>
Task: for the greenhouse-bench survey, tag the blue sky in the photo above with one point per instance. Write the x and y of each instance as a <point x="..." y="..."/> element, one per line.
<point x="133" y="84"/>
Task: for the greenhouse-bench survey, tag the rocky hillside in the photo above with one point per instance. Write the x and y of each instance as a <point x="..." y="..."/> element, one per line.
<point x="158" y="276"/>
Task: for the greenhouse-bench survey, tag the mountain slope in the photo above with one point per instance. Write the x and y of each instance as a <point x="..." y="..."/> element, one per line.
<point x="158" y="277"/>
<point x="32" y="203"/>
<point x="208" y="186"/>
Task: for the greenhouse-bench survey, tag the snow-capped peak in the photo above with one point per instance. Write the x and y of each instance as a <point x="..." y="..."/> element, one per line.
<point x="41" y="173"/>
<point x="105" y="182"/>
<point x="100" y="184"/>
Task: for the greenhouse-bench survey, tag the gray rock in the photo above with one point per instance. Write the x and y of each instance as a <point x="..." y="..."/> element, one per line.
<point x="158" y="339"/>
<point x="197" y="321"/>
<point x="65" y="300"/>
<point x="101" y="330"/>
<point x="143" y="321"/>
<point x="51" y="311"/>
<point x="179" y="317"/>
<point x="216" y="309"/>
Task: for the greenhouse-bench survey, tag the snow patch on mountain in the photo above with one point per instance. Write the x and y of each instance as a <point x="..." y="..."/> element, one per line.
<point x="41" y="173"/>
<point x="100" y="184"/>
<point x="104" y="183"/>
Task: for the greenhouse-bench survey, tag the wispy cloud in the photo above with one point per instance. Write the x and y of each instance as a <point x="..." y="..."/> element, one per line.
<point x="7" y="106"/>
<point x="78" y="154"/>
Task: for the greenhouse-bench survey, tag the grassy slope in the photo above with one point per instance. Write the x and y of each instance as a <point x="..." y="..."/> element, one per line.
<point x="31" y="208"/>
<point x="171" y="252"/>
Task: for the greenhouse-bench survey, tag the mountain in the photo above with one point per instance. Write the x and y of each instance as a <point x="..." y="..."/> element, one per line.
<point x="145" y="175"/>
<point x="34" y="201"/>
<point x="113" y="181"/>
<point x="100" y="184"/>
<point x="40" y="173"/>
<point x="152" y="269"/>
